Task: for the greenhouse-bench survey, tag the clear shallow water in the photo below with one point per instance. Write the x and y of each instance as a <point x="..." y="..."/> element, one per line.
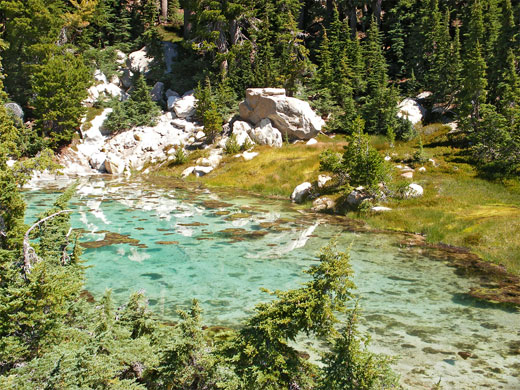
<point x="184" y="244"/>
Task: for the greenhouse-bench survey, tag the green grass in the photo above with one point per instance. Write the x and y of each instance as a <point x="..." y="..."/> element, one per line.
<point x="458" y="208"/>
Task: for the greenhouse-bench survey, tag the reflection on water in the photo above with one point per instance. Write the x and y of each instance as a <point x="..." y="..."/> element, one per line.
<point x="178" y="244"/>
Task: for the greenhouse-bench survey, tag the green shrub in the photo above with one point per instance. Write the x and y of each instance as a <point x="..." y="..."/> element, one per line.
<point x="360" y="164"/>
<point x="212" y="122"/>
<point x="232" y="146"/>
<point x="181" y="157"/>
<point x="138" y="110"/>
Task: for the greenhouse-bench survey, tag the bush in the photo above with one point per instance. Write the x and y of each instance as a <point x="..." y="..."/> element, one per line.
<point x="181" y="157"/>
<point x="138" y="110"/>
<point x="212" y="122"/>
<point x="360" y="165"/>
<point x="232" y="146"/>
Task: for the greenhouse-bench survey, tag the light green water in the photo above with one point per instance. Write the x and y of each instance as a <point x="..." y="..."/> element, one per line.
<point x="182" y="247"/>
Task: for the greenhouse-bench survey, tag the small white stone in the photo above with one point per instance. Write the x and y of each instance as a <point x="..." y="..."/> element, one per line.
<point x="187" y="172"/>
<point x="249" y="155"/>
<point x="379" y="209"/>
<point x="201" y="171"/>
<point x="388" y="158"/>
<point x="414" y="191"/>
<point x="312" y="141"/>
<point x="322" y="180"/>
<point x="407" y="175"/>
<point x="422" y="169"/>
<point x="200" y="135"/>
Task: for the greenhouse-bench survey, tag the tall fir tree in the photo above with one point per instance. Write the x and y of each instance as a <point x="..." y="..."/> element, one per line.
<point x="380" y="102"/>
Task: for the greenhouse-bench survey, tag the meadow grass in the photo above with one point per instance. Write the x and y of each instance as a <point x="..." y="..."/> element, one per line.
<point x="458" y="207"/>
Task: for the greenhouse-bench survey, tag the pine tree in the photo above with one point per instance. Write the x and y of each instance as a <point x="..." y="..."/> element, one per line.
<point x="380" y="103"/>
<point x="60" y="86"/>
<point x="473" y="76"/>
<point x="441" y="63"/>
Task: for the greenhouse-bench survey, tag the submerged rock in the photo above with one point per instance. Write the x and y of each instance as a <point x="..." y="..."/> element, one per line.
<point x="323" y="204"/>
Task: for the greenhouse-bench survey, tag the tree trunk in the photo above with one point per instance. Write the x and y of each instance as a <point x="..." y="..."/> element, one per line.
<point x="164" y="11"/>
<point x="376" y="9"/>
<point x="188" y="25"/>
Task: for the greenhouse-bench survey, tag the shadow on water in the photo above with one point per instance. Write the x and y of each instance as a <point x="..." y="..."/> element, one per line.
<point x="467" y="300"/>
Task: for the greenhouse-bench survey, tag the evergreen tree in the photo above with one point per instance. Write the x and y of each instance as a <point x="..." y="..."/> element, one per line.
<point x="473" y="76"/>
<point x="60" y="86"/>
<point x="441" y="63"/>
<point x="380" y="103"/>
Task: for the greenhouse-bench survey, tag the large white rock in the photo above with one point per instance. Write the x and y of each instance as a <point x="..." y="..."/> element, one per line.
<point x="120" y="57"/>
<point x="138" y="61"/>
<point x="301" y="192"/>
<point x="185" y="107"/>
<point x="414" y="191"/>
<point x="97" y="161"/>
<point x="114" y="164"/>
<point x="187" y="172"/>
<point x="241" y="132"/>
<point x="15" y="110"/>
<point x="289" y="115"/>
<point x="266" y="134"/>
<point x="248" y="156"/>
<point x="411" y="110"/>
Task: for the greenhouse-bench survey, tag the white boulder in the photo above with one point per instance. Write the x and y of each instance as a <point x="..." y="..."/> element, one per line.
<point x="248" y="156"/>
<point x="241" y="132"/>
<point x="289" y="115"/>
<point x="323" y="204"/>
<point x="139" y="62"/>
<point x="414" y="191"/>
<point x="301" y="192"/>
<point x="411" y="110"/>
<point x="100" y="76"/>
<point x="185" y="107"/>
<point x="97" y="161"/>
<point x="323" y="180"/>
<point x="201" y="170"/>
<point x="380" y="209"/>
<point x="266" y="134"/>
<point x="312" y="141"/>
<point x="187" y="172"/>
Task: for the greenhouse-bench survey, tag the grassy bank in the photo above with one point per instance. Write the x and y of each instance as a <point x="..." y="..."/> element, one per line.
<point x="458" y="208"/>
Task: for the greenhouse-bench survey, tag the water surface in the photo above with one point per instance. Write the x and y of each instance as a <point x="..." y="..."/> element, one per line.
<point x="177" y="244"/>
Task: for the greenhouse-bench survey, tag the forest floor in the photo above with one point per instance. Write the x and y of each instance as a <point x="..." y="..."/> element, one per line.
<point x="458" y="208"/>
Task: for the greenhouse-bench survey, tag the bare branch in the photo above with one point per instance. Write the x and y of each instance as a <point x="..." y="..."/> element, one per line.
<point x="29" y="254"/>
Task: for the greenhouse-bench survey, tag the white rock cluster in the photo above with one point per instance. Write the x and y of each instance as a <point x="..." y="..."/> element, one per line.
<point x="130" y="150"/>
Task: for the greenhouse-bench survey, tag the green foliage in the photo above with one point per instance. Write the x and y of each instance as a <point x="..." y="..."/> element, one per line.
<point x="496" y="146"/>
<point x="360" y="164"/>
<point x="181" y="157"/>
<point x="60" y="86"/>
<point x="261" y="352"/>
<point x="138" y="110"/>
<point x="351" y="366"/>
<point x="212" y="121"/>
<point x="232" y="146"/>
